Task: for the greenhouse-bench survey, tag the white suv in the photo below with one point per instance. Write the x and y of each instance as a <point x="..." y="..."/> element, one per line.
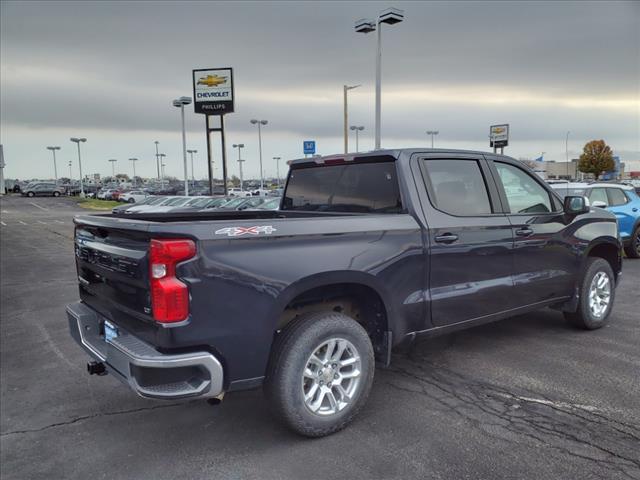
<point x="133" y="196"/>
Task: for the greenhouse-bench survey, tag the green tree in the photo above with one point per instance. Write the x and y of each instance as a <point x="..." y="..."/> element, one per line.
<point x="235" y="181"/>
<point x="596" y="158"/>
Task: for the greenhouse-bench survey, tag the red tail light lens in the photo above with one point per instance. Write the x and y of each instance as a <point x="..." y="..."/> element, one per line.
<point x="169" y="296"/>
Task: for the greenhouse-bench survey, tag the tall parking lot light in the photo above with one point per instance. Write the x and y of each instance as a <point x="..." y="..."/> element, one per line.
<point x="260" y="123"/>
<point x="346" y="88"/>
<point x="70" y="172"/>
<point x="133" y="162"/>
<point x="180" y="103"/>
<point x="432" y="133"/>
<point x="390" y="16"/>
<point x="193" y="177"/>
<point x="78" y="141"/>
<point x="277" y="159"/>
<point x="240" y="161"/>
<point x="357" y="129"/>
<point x="113" y="168"/>
<point x="157" y="158"/>
<point x="55" y="167"/>
<point x="162" y="165"/>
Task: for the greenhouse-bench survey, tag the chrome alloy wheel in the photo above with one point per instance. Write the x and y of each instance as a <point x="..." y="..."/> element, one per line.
<point x="599" y="294"/>
<point x="331" y="376"/>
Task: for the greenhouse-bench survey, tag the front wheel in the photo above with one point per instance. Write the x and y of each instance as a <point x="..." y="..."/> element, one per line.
<point x="320" y="373"/>
<point x="633" y="249"/>
<point x="30" y="194"/>
<point x="56" y="194"/>
<point x="131" y="200"/>
<point x="597" y="292"/>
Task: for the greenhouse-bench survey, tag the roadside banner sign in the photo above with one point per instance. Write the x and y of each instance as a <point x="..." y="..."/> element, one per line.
<point x="499" y="135"/>
<point x="213" y="91"/>
<point x="309" y="147"/>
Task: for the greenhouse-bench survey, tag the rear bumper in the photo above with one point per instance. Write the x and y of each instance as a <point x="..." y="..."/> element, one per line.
<point x="148" y="372"/>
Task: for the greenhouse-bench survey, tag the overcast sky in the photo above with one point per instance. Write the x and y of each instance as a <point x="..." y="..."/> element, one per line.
<point x="109" y="71"/>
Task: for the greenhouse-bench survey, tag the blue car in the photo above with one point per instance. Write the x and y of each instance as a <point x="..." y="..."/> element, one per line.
<point x="622" y="200"/>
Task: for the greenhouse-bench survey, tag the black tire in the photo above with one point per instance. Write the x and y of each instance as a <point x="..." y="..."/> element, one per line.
<point x="56" y="194"/>
<point x="131" y="200"/>
<point x="584" y="317"/>
<point x="292" y="350"/>
<point x="633" y="249"/>
<point x="30" y="194"/>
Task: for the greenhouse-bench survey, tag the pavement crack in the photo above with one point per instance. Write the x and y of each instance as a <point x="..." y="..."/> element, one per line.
<point x="87" y="417"/>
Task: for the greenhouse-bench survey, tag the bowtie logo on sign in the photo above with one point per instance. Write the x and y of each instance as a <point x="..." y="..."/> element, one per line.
<point x="239" y="231"/>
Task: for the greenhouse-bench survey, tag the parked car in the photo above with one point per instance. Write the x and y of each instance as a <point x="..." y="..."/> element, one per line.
<point x="146" y="201"/>
<point x="134" y="196"/>
<point x="364" y="255"/>
<point x="42" y="189"/>
<point x="242" y="203"/>
<point x="620" y="199"/>
<point x="270" y="204"/>
<point x="238" y="192"/>
<point x="167" y="205"/>
<point x="147" y="205"/>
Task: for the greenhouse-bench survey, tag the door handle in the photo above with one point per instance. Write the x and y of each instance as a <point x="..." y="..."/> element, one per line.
<point x="446" y="238"/>
<point x="524" y="232"/>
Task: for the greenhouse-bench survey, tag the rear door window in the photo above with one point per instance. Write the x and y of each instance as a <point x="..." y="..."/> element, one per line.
<point x="616" y="197"/>
<point x="457" y="187"/>
<point x="599" y="195"/>
<point x="524" y="193"/>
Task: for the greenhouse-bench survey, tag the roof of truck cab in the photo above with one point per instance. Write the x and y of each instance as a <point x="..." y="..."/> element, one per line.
<point x="395" y="153"/>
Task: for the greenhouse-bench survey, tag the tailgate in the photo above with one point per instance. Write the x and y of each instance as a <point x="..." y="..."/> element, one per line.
<point x="113" y="269"/>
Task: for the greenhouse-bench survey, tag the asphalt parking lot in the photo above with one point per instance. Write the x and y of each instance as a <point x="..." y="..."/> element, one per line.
<point x="528" y="397"/>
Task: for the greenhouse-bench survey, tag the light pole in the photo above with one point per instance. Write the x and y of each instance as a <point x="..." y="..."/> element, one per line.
<point x="180" y="103"/>
<point x="55" y="167"/>
<point x="133" y="162"/>
<point x="356" y="129"/>
<point x="240" y="160"/>
<point x="157" y="159"/>
<point x="390" y="16"/>
<point x="70" y="173"/>
<point x="432" y="133"/>
<point x="260" y="123"/>
<point x="113" y="168"/>
<point x="161" y="157"/>
<point x="193" y="177"/>
<point x="566" y="151"/>
<point x="78" y="141"/>
<point x="346" y="88"/>
<point x="277" y="159"/>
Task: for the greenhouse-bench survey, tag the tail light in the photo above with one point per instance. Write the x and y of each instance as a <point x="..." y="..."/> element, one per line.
<point x="169" y="296"/>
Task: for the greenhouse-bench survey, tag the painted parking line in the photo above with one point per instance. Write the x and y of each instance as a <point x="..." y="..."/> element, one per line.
<point x="23" y="223"/>
<point x="4" y="224"/>
<point x="36" y="205"/>
<point x="59" y="221"/>
<point x="40" y="221"/>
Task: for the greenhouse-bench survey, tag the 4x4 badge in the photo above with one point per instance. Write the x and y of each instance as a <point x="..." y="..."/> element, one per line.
<point x="239" y="231"/>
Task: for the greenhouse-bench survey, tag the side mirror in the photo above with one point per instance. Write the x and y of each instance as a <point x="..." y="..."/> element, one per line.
<point x="599" y="204"/>
<point x="575" y="205"/>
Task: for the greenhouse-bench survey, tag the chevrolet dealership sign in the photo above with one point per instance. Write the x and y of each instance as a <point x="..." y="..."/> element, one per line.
<point x="213" y="91"/>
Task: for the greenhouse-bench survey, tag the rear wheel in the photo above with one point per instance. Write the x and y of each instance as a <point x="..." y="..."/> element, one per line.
<point x="320" y="373"/>
<point x="131" y="200"/>
<point x="597" y="292"/>
<point x="56" y="194"/>
<point x="633" y="249"/>
<point x="30" y="194"/>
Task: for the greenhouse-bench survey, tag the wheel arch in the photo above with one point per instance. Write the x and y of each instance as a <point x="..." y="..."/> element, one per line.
<point x="335" y="291"/>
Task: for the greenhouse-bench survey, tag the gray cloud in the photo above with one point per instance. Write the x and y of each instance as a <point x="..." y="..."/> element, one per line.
<point x="113" y="67"/>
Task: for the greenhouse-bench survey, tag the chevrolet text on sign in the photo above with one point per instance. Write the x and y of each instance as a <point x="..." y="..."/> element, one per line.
<point x="213" y="91"/>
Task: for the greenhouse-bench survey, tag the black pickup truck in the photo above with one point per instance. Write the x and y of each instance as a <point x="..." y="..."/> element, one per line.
<point x="367" y="252"/>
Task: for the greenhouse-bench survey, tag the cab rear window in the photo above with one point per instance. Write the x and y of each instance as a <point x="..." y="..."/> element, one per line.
<point x="354" y="187"/>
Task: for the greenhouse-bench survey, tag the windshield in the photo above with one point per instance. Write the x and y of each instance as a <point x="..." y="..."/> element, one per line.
<point x="198" y="202"/>
<point x="236" y="202"/>
<point x="361" y="187"/>
<point x="216" y="202"/>
<point x="176" y="202"/>
<point x="272" y="204"/>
